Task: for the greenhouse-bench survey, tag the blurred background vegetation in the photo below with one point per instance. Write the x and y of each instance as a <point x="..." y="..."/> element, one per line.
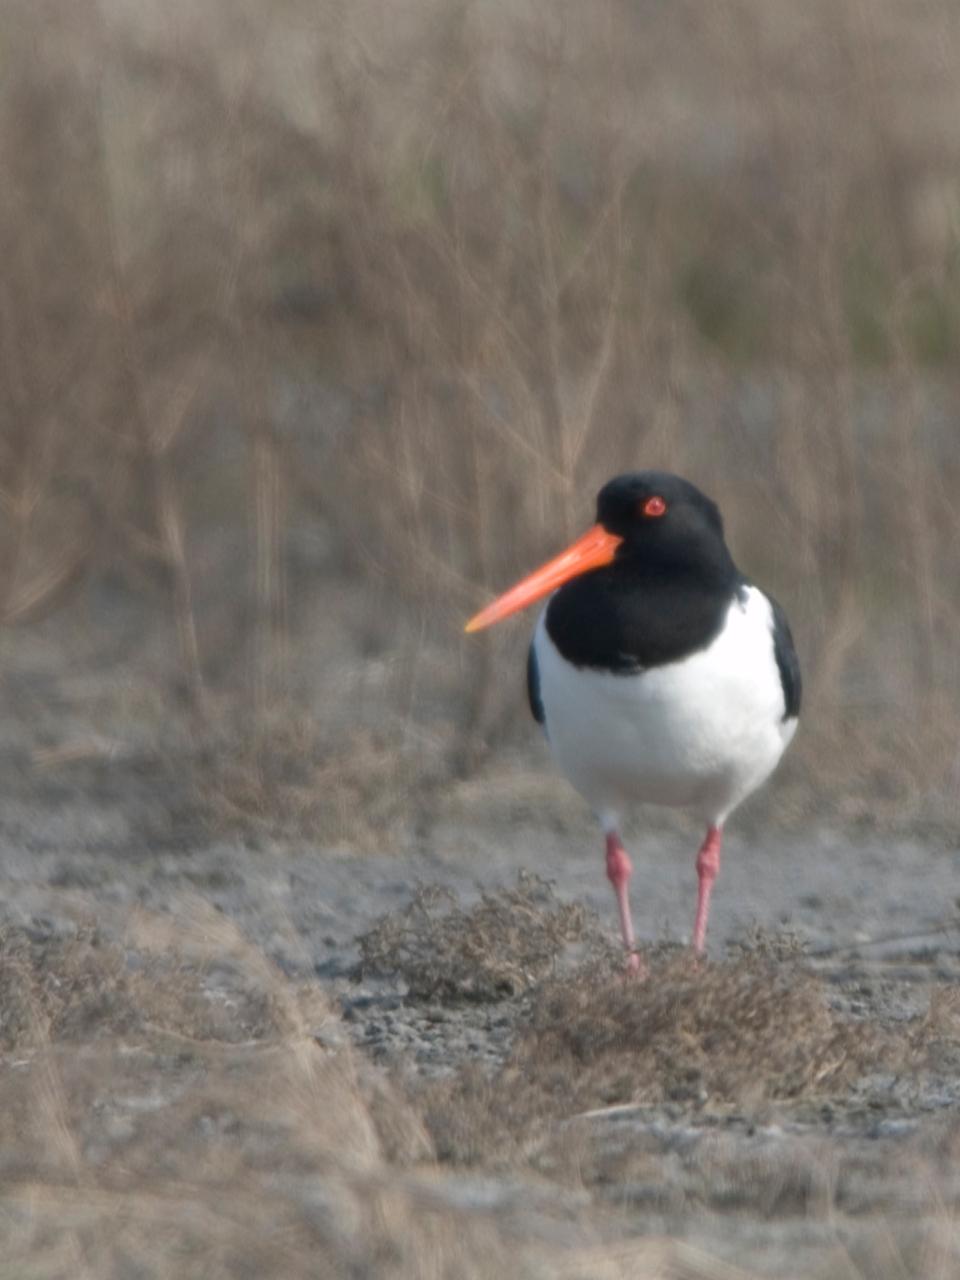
<point x="322" y="319"/>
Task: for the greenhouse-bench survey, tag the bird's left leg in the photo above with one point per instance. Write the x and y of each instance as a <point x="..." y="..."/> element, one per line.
<point x="619" y="870"/>
<point x="708" y="864"/>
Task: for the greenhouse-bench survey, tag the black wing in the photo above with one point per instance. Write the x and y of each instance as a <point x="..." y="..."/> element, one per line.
<point x="788" y="664"/>
<point x="533" y="686"/>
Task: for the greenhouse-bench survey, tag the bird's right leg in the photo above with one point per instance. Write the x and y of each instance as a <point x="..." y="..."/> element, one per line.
<point x="619" y="870"/>
<point x="708" y="864"/>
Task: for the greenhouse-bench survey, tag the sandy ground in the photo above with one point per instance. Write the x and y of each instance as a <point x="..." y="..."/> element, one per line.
<point x="849" y="1185"/>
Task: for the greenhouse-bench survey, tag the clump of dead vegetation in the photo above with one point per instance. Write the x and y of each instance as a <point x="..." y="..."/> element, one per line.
<point x="81" y="987"/>
<point x="61" y="987"/>
<point x="501" y="947"/>
<point x="742" y="1033"/>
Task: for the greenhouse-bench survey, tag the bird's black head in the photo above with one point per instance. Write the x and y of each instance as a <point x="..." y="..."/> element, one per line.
<point x="663" y="521"/>
<point x="652" y="529"/>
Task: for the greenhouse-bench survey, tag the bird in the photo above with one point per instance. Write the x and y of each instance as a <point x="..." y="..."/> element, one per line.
<point x="659" y="672"/>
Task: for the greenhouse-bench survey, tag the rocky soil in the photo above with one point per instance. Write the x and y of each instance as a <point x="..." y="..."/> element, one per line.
<point x="858" y="1172"/>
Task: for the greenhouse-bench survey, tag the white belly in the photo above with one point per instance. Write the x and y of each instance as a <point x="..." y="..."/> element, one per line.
<point x="701" y="733"/>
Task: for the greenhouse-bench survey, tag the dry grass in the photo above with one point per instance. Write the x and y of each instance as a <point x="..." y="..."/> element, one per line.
<point x="173" y="1106"/>
<point x="743" y="1031"/>
<point x="501" y="947"/>
<point x="81" y="988"/>
<point x="289" y="778"/>
<point x="128" y="1123"/>
<point x="151" y="1126"/>
<point x="742" y="1034"/>
<point x="318" y="321"/>
<point x="303" y="298"/>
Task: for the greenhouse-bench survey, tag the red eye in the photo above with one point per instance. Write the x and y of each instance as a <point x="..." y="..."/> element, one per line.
<point x="654" y="506"/>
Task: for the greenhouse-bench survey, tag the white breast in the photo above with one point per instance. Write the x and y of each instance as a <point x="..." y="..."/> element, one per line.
<point x="700" y="733"/>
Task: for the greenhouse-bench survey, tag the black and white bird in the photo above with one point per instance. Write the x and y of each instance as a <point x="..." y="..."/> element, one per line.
<point x="660" y="674"/>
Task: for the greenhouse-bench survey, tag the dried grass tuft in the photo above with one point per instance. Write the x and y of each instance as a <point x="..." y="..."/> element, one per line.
<point x="84" y="988"/>
<point x="744" y="1033"/>
<point x="739" y="1031"/>
<point x="501" y="947"/>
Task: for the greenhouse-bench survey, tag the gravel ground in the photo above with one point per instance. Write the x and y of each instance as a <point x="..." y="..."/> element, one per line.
<point x="812" y="1183"/>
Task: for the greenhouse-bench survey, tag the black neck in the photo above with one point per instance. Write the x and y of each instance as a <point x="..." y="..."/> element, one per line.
<point x="644" y="612"/>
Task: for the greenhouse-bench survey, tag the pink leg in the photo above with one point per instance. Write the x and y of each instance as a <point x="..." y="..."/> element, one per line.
<point x="708" y="864"/>
<point x="619" y="870"/>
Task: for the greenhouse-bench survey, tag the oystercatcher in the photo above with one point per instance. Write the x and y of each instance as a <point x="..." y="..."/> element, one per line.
<point x="659" y="673"/>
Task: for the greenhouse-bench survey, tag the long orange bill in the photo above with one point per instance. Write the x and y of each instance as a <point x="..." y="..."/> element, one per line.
<point x="597" y="547"/>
